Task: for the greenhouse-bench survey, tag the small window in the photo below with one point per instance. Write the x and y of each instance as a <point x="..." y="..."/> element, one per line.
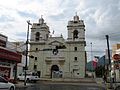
<point x="46" y="36"/>
<point x="35" y="58"/>
<point x="35" y="67"/>
<point x="38" y="24"/>
<point x="75" y="48"/>
<point x="36" y="49"/>
<point x="75" y="58"/>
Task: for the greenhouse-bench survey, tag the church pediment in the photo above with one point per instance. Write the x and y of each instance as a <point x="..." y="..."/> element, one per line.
<point x="55" y="43"/>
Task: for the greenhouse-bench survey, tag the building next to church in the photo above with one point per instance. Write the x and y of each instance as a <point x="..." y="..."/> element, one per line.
<point x="8" y="59"/>
<point x="54" y="56"/>
<point x="20" y="47"/>
<point x="116" y="62"/>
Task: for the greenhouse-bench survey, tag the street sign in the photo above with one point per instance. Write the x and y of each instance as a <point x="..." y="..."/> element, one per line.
<point x="116" y="57"/>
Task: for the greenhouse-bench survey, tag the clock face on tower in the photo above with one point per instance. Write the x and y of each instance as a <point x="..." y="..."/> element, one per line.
<point x="55" y="51"/>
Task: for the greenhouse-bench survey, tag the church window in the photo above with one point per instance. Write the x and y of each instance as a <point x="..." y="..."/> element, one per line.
<point x="35" y="58"/>
<point x="75" y="58"/>
<point x="37" y="36"/>
<point x="36" y="49"/>
<point x="75" y="48"/>
<point x="38" y="24"/>
<point x="46" y="36"/>
<point x="35" y="67"/>
<point x="75" y="34"/>
<point x="55" y="51"/>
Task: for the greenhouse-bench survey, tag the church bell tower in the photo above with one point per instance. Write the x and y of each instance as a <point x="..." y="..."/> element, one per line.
<point x="76" y="29"/>
<point x="40" y="31"/>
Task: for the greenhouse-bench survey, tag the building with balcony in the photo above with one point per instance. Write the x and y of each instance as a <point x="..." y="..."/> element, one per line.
<point x="56" y="55"/>
<point x="8" y="59"/>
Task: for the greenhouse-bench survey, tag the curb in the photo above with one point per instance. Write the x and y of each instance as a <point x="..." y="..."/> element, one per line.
<point x="69" y="80"/>
<point x="22" y="86"/>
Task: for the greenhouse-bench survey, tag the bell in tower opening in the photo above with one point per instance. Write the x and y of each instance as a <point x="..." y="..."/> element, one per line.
<point x="75" y="34"/>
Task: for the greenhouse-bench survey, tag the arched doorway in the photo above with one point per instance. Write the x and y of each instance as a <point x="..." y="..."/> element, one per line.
<point x="54" y="68"/>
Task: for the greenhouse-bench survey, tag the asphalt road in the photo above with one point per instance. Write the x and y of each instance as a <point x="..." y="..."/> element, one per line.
<point x="62" y="86"/>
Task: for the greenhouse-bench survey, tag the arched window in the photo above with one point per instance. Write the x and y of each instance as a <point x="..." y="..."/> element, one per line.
<point x="75" y="34"/>
<point x="37" y="36"/>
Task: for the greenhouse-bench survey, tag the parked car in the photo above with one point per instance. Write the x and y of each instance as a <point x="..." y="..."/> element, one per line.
<point x="6" y="85"/>
<point x="29" y="77"/>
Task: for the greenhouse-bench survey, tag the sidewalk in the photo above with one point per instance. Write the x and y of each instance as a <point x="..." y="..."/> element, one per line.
<point x="67" y="80"/>
<point x="74" y="82"/>
<point x="89" y="81"/>
<point x="106" y="85"/>
<point x="21" y="85"/>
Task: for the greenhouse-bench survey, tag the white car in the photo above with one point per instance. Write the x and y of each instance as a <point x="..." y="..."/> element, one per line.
<point x="5" y="85"/>
<point x="29" y="77"/>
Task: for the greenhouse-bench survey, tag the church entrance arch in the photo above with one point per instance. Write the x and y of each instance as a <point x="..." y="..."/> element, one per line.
<point x="54" y="69"/>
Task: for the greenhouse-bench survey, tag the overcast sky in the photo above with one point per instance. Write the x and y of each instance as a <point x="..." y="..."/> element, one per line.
<point x="101" y="17"/>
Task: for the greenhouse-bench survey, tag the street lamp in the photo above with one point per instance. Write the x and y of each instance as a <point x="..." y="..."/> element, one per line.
<point x="27" y="41"/>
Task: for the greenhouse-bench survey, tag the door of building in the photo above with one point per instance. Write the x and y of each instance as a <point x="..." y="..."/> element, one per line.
<point x="54" y="70"/>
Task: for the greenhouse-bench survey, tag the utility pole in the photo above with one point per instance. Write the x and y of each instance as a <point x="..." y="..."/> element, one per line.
<point x="15" y="67"/>
<point x="93" y="70"/>
<point x="91" y="55"/>
<point x="107" y="38"/>
<point x="27" y="41"/>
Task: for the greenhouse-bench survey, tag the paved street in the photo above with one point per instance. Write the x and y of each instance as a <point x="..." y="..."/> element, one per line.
<point x="62" y="86"/>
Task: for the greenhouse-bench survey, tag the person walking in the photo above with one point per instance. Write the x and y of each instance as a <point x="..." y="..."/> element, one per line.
<point x="105" y="78"/>
<point x="113" y="77"/>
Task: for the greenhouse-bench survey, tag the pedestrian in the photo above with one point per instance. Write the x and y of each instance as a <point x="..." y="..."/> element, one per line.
<point x="113" y="77"/>
<point x="104" y="78"/>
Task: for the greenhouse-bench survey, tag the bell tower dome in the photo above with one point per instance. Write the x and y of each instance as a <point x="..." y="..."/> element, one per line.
<point x="76" y="18"/>
<point x="41" y="20"/>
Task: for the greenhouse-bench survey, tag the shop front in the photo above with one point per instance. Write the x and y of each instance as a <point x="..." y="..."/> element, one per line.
<point x="8" y="62"/>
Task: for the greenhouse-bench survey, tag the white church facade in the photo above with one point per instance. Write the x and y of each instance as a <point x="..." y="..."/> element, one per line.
<point x="56" y="56"/>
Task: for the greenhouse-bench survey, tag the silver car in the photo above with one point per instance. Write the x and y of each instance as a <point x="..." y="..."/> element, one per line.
<point x="5" y="85"/>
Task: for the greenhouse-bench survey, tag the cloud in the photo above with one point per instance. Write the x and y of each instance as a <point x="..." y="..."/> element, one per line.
<point x="27" y="14"/>
<point x="4" y="19"/>
<point x="100" y="17"/>
<point x="21" y="35"/>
